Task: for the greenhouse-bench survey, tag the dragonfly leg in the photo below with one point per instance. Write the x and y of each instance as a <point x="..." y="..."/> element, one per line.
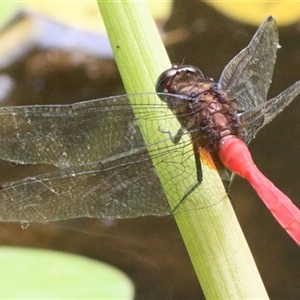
<point x="199" y="175"/>
<point x="174" y="138"/>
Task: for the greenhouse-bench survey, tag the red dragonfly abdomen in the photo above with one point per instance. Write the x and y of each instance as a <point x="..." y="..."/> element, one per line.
<point x="236" y="157"/>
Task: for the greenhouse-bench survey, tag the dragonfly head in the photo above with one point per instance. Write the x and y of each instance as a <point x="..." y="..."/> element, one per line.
<point x="174" y="79"/>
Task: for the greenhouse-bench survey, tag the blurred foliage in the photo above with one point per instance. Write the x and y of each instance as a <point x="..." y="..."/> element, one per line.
<point x="44" y="274"/>
<point x="253" y="12"/>
<point x="7" y="9"/>
<point x="83" y="14"/>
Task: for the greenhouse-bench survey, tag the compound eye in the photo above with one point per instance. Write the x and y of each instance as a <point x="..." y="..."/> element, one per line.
<point x="164" y="81"/>
<point x="164" y="78"/>
<point x="192" y="70"/>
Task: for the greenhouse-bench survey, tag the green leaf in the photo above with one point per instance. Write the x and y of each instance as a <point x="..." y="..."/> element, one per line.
<point x="44" y="274"/>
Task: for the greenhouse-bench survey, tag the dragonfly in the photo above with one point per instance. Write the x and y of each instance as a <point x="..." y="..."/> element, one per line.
<point x="106" y="168"/>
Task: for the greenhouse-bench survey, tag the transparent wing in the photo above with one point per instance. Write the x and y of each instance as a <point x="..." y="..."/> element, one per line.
<point x="258" y="117"/>
<point x="118" y="188"/>
<point x="104" y="167"/>
<point x="248" y="75"/>
<point x="70" y="135"/>
<point x="277" y="104"/>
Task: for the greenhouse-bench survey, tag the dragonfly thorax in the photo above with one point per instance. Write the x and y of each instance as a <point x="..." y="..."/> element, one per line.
<point x="205" y="110"/>
<point x="214" y="117"/>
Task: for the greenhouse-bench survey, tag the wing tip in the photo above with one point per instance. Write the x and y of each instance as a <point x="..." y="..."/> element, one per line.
<point x="270" y="19"/>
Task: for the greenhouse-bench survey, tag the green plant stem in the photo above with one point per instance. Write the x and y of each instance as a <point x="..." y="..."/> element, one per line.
<point x="215" y="242"/>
